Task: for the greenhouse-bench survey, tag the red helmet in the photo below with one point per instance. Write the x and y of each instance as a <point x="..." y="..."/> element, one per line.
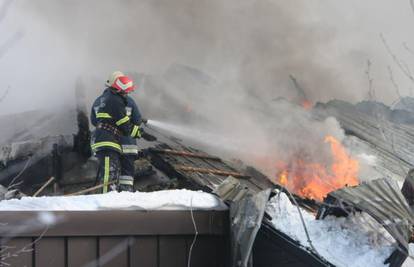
<point x="123" y="84"/>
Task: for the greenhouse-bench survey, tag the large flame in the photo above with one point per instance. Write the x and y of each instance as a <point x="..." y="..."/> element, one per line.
<point x="306" y="104"/>
<point x="314" y="180"/>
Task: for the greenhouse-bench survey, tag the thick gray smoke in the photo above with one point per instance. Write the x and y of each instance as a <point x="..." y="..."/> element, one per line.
<point x="247" y="49"/>
<point x="253" y="45"/>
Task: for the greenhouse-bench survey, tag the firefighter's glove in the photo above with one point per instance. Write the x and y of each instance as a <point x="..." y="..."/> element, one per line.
<point x="148" y="137"/>
<point x="143" y="153"/>
<point x="144" y="121"/>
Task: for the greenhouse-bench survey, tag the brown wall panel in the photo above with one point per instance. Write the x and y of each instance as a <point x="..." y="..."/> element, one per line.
<point x="147" y="239"/>
<point x="101" y="223"/>
<point x="204" y="252"/>
<point x="113" y="251"/>
<point x="143" y="251"/>
<point x="222" y="250"/>
<point x="172" y="251"/>
<point x="134" y="251"/>
<point x="50" y="251"/>
<point x="17" y="252"/>
<point x="82" y="251"/>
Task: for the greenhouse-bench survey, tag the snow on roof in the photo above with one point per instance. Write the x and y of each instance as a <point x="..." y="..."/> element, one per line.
<point x="159" y="200"/>
<point x="409" y="262"/>
<point x="342" y="241"/>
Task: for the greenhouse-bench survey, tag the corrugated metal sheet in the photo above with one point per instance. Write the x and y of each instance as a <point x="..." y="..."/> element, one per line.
<point x="246" y="218"/>
<point x="382" y="200"/>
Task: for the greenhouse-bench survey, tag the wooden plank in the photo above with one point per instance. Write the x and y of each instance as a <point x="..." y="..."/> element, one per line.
<point x="205" y="179"/>
<point x="220" y="165"/>
<point x="210" y="180"/>
<point x="211" y="171"/>
<point x="172" y="251"/>
<point x="166" y="163"/>
<point x="184" y="153"/>
<point x="50" y="251"/>
<point x="87" y="190"/>
<point x="144" y="251"/>
<point x="113" y="251"/>
<point x="82" y="251"/>
<point x="204" y="163"/>
<point x="251" y="183"/>
<point x="17" y="252"/>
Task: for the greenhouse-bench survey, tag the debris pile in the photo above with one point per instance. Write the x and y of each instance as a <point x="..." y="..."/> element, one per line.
<point x="368" y="222"/>
<point x="336" y="239"/>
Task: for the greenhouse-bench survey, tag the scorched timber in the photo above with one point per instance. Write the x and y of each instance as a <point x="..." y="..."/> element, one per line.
<point x="212" y="171"/>
<point x="185" y="154"/>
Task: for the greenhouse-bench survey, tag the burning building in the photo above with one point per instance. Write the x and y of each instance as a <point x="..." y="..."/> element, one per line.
<point x="272" y="219"/>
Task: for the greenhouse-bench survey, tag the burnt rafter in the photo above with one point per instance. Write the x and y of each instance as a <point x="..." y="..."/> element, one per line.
<point x="185" y="154"/>
<point x="211" y="171"/>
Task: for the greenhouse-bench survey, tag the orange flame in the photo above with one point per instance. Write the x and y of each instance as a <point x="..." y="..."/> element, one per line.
<point x="313" y="180"/>
<point x="188" y="108"/>
<point x="306" y="104"/>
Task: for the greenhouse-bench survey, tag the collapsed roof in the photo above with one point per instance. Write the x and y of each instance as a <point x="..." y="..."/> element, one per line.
<point x="58" y="145"/>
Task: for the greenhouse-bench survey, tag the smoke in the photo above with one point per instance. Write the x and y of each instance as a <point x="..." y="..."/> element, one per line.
<point x="218" y="66"/>
<point x="277" y="133"/>
<point x="251" y="44"/>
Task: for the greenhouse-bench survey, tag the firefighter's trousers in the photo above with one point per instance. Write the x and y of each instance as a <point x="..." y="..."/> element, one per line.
<point x="109" y="168"/>
<point x="126" y="179"/>
<point x="116" y="168"/>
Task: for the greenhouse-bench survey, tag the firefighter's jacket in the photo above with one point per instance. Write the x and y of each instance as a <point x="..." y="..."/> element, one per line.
<point x="109" y="116"/>
<point x="128" y="143"/>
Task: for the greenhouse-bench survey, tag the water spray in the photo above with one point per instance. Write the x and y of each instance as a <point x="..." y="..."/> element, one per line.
<point x="199" y="136"/>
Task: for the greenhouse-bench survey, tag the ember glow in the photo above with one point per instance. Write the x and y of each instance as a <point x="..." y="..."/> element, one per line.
<point x="314" y="180"/>
<point x="306" y="104"/>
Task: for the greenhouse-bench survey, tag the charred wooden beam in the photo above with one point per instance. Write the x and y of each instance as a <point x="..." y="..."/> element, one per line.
<point x="185" y="181"/>
<point x="93" y="188"/>
<point x="211" y="171"/>
<point x="185" y="154"/>
<point x="43" y="186"/>
<point x="57" y="163"/>
<point x="83" y="137"/>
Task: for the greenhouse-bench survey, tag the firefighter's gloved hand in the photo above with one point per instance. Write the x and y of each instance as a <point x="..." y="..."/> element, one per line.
<point x="144" y="121"/>
<point x="147" y="137"/>
<point x="143" y="153"/>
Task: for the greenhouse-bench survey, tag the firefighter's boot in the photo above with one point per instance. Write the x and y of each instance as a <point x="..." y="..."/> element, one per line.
<point x="126" y="183"/>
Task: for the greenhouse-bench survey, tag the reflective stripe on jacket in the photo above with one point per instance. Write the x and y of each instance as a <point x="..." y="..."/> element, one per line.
<point x="129" y="143"/>
<point x="111" y="109"/>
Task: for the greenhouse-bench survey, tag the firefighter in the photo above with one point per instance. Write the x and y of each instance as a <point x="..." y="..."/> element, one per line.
<point x="115" y="126"/>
